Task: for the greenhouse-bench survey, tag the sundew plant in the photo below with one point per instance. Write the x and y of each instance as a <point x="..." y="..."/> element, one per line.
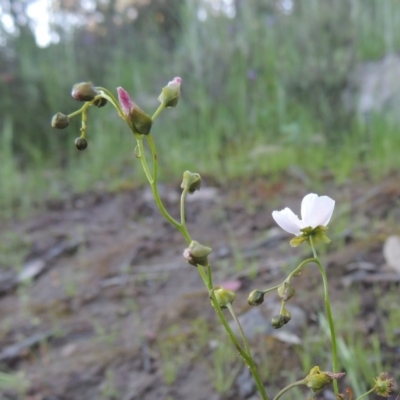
<point x="316" y="213"/>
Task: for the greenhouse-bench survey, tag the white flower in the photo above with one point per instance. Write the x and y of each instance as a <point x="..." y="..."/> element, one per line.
<point x="315" y="211"/>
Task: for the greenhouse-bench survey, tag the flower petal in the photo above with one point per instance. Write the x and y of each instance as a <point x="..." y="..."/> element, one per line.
<point x="316" y="210"/>
<point x="287" y="220"/>
<point x="323" y="211"/>
<point x="307" y="209"/>
<point x="124" y="100"/>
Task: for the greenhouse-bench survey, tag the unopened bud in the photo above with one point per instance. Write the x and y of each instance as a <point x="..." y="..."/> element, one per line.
<point x="286" y="291"/>
<point x="286" y="315"/>
<point x="197" y="254"/>
<point x="280" y="320"/>
<point x="170" y="94"/>
<point x="81" y="143"/>
<point x="256" y="297"/>
<point x="141" y="122"/>
<point x="317" y="379"/>
<point x="223" y="296"/>
<point x="60" y="121"/>
<point x="84" y="91"/>
<point x="191" y="181"/>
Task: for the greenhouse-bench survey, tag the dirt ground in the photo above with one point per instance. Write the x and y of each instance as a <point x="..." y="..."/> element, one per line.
<point x="101" y="304"/>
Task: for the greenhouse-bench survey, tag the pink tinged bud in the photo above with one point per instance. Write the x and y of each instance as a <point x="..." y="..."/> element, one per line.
<point x="124" y="100"/>
<point x="170" y="94"/>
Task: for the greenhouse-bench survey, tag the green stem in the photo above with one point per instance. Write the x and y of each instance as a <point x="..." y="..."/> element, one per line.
<point x="288" y="387"/>
<point x="153" y="183"/>
<point x="239" y="325"/>
<point x="110" y="97"/>
<point x="335" y="364"/>
<point x="158" y="111"/>
<point x="365" y="394"/>
<point x="184" y="230"/>
<point x="247" y="358"/>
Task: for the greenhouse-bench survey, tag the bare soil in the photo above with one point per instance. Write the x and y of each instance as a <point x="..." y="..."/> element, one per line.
<point x="103" y="306"/>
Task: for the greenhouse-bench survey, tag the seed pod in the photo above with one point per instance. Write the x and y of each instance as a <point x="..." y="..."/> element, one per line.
<point x="101" y="102"/>
<point x="84" y="91"/>
<point x="81" y="143"/>
<point x="60" y="121"/>
<point x="256" y="297"/>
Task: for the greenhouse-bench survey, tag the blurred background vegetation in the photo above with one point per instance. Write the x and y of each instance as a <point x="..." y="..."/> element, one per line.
<point x="267" y="85"/>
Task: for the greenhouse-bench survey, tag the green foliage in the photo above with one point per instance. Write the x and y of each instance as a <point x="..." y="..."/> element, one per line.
<point x="262" y="92"/>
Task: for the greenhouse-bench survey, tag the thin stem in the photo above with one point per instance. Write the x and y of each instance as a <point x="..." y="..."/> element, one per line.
<point x="239" y="325"/>
<point x="335" y="364"/>
<point x="153" y="184"/>
<point x="154" y="155"/>
<point x="288" y="387"/>
<point x="209" y="274"/>
<point x="365" y="394"/>
<point x="247" y="358"/>
<point x="158" y="111"/>
<point x="110" y="97"/>
<point x="142" y="158"/>
<point x="184" y="231"/>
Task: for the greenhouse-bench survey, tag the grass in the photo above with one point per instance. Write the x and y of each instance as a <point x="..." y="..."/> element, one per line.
<point x="249" y="107"/>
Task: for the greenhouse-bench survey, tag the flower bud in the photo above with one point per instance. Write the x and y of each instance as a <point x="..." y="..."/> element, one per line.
<point x="170" y="94"/>
<point x="81" y="143"/>
<point x="317" y="379"/>
<point x="197" y="254"/>
<point x="60" y="121"/>
<point x="141" y="122"/>
<point x="191" y="181"/>
<point x="256" y="297"/>
<point x="286" y="291"/>
<point x="101" y="102"/>
<point x="286" y="315"/>
<point x="137" y="119"/>
<point x="278" y="321"/>
<point x="223" y="296"/>
<point x="384" y="385"/>
<point x="84" y="91"/>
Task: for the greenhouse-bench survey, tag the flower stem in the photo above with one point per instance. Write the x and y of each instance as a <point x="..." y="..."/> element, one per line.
<point x="335" y="364"/>
<point x="365" y="394"/>
<point x="184" y="231"/>
<point x="158" y="111"/>
<point x="247" y="358"/>
<point x="153" y="183"/>
<point x="288" y="387"/>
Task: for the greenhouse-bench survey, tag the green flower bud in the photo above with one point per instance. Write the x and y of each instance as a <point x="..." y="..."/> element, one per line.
<point x="286" y="316"/>
<point x="60" y="121"/>
<point x="317" y="379"/>
<point x="278" y="321"/>
<point x="223" y="296"/>
<point x="170" y="94"/>
<point x="197" y="254"/>
<point x="191" y="181"/>
<point x="286" y="291"/>
<point x="84" y="91"/>
<point x="101" y="102"/>
<point x="141" y="122"/>
<point x="81" y="143"/>
<point x="256" y="297"/>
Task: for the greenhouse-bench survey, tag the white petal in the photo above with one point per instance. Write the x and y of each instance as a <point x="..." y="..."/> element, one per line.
<point x="324" y="206"/>
<point x="316" y="210"/>
<point x="307" y="208"/>
<point x="287" y="220"/>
